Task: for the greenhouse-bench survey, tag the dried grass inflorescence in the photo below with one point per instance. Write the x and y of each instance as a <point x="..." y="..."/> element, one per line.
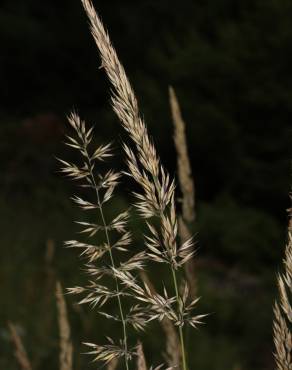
<point x="186" y="182"/>
<point x="112" y="237"/>
<point x="19" y="350"/>
<point x="66" y="347"/>
<point x="183" y="163"/>
<point x="283" y="310"/>
<point x="155" y="203"/>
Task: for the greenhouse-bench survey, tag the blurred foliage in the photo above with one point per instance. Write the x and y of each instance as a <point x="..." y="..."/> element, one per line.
<point x="230" y="64"/>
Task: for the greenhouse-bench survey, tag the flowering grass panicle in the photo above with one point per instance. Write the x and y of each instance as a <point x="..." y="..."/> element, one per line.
<point x="186" y="183"/>
<point x="283" y="310"/>
<point x="66" y="347"/>
<point x="156" y="199"/>
<point x="112" y="238"/>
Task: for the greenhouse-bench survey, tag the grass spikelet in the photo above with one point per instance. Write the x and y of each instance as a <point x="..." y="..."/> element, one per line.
<point x="173" y="353"/>
<point x="19" y="350"/>
<point x="66" y="347"/>
<point x="283" y="310"/>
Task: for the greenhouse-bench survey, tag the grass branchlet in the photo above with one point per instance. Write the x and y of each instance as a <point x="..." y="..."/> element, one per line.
<point x="109" y="239"/>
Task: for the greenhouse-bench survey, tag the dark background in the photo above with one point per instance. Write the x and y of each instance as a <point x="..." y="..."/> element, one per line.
<point x="230" y="63"/>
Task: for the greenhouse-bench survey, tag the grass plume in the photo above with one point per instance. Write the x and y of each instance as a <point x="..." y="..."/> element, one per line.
<point x="186" y="182"/>
<point x="283" y="310"/>
<point x="156" y="200"/>
<point x="183" y="163"/>
<point x="156" y="204"/>
<point x="66" y="347"/>
<point x="101" y="188"/>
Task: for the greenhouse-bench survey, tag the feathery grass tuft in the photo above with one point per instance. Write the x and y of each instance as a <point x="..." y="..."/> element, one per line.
<point x="112" y="239"/>
<point x="283" y="310"/>
<point x="183" y="163"/>
<point x="187" y="185"/>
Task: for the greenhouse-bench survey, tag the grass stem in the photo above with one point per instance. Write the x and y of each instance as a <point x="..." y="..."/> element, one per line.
<point x="181" y="336"/>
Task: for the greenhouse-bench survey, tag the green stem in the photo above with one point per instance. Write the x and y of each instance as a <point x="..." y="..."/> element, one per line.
<point x="181" y="336"/>
<point x="113" y="264"/>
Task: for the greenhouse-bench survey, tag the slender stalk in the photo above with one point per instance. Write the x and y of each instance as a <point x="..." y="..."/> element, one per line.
<point x="112" y="261"/>
<point x="181" y="336"/>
